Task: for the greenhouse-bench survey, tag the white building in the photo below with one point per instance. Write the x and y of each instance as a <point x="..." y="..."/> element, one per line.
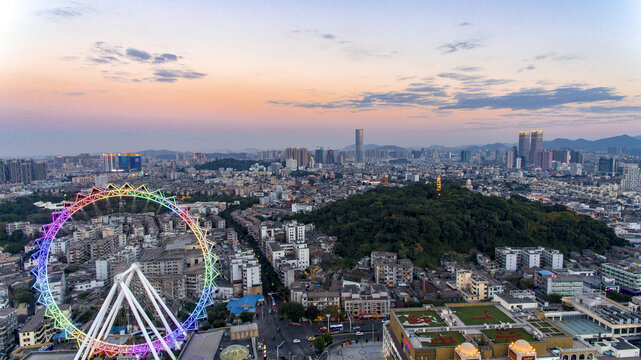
<point x="89" y="285"/>
<point x="102" y="269"/>
<point x="510" y="258"/>
<point x="295" y="232"/>
<point x="631" y="179"/>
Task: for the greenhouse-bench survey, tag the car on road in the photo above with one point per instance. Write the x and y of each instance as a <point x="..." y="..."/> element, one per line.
<point x="311" y="338"/>
<point x="296" y="341"/>
<point x="359" y="333"/>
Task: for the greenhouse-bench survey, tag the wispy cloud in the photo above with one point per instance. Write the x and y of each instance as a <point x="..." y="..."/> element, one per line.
<point x="167" y="75"/>
<point x="610" y="109"/>
<point x="554" y="56"/>
<point x="415" y="95"/>
<point x="527" y="68"/>
<point x="452" y="47"/>
<point x="473" y="81"/>
<point x="72" y="93"/>
<point x="465" y="23"/>
<point x="533" y="99"/>
<point x="468" y="68"/>
<point x="65" y="12"/>
<point x="121" y="60"/>
<point x="349" y="47"/>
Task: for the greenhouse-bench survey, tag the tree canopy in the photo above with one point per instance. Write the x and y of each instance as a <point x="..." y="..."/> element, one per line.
<point x="418" y="224"/>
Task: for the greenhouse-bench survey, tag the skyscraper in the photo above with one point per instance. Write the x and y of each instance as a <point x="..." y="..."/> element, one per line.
<point x="330" y="156"/>
<point x="537" y="143"/>
<point x="524" y="144"/>
<point x="319" y="157"/>
<point x="359" y="146"/>
<point x="466" y="156"/>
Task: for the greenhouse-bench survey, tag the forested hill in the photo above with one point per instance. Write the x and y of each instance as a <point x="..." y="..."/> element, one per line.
<point x="238" y="165"/>
<point x="418" y="224"/>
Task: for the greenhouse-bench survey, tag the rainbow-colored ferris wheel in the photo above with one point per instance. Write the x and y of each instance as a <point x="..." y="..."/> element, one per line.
<point x="175" y="333"/>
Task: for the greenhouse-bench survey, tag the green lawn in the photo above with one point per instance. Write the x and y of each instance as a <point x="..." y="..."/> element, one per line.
<point x="425" y="318"/>
<point x="479" y="315"/>
<point x="508" y="335"/>
<point x="444" y="338"/>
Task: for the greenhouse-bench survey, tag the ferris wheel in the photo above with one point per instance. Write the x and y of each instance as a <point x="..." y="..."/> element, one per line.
<point x="94" y="342"/>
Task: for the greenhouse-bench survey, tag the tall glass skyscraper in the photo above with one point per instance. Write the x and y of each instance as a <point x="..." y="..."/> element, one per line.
<point x="360" y="152"/>
<point x="537" y="143"/>
<point x="524" y="145"/>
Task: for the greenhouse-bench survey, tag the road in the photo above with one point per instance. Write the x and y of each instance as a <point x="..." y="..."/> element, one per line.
<point x="273" y="330"/>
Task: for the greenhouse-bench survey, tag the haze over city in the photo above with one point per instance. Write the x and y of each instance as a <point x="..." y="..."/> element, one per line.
<point x="210" y="76"/>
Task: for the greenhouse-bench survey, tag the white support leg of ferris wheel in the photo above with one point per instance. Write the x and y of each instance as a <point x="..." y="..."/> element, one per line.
<point x="134" y="310"/>
<point x="111" y="317"/>
<point x="87" y="342"/>
<point x="161" y="302"/>
<point x="146" y="286"/>
<point x="153" y="328"/>
<point x="121" y="283"/>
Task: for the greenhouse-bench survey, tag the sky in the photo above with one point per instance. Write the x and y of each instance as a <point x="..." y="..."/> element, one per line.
<point x="121" y="76"/>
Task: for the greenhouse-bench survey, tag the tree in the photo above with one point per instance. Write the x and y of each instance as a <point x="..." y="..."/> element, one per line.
<point x="322" y="341"/>
<point x="217" y="315"/>
<point x="334" y="312"/>
<point x="23" y="295"/>
<point x="312" y="312"/>
<point x="292" y="310"/>
<point x="246" y="316"/>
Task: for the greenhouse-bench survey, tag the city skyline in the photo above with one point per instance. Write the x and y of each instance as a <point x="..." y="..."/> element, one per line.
<point x="215" y="76"/>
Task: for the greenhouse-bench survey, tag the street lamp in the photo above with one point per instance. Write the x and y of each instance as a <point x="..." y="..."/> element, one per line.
<point x="277" y="347"/>
<point x="327" y="315"/>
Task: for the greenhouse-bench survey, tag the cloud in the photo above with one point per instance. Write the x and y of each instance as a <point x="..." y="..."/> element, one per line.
<point x="138" y="55"/>
<point x="64" y="12"/>
<point x="107" y="54"/>
<point x="553" y="56"/>
<point x="468" y="68"/>
<point x="72" y="93"/>
<point x="534" y="99"/>
<point x="415" y="95"/>
<point x="473" y="81"/>
<point x="610" y="109"/>
<point x="458" y="45"/>
<point x="164" y="58"/>
<point x="167" y="75"/>
<point x="527" y="68"/>
<point x="465" y="23"/>
<point x="353" y="50"/>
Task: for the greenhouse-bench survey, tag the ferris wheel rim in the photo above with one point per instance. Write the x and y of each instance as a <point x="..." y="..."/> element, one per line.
<point x="50" y="231"/>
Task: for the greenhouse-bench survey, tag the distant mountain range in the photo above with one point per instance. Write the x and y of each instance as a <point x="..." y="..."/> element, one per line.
<point x="625" y="141"/>
<point x="630" y="143"/>
<point x="375" y="147"/>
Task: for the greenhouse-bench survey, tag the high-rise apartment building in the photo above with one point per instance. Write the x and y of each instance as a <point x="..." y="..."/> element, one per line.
<point x="576" y="157"/>
<point x="329" y="158"/>
<point x="562" y="156"/>
<point x="543" y="159"/>
<point x="524" y="145"/>
<point x="359" y="148"/>
<point x="509" y="159"/>
<point x="466" y="156"/>
<point x="631" y="179"/>
<point x="536" y="143"/>
<point x="110" y="162"/>
<point x="299" y="154"/>
<point x="22" y="171"/>
<point x="607" y="165"/>
<point x="319" y="157"/>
